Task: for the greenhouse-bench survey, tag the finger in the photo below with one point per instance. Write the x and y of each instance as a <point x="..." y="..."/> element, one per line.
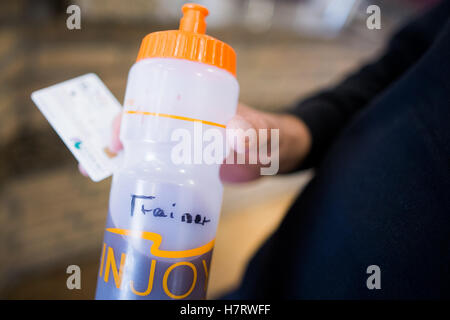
<point x="82" y="170"/>
<point x="243" y="129"/>
<point x="115" y="143"/>
<point x="236" y="132"/>
<point x="237" y="173"/>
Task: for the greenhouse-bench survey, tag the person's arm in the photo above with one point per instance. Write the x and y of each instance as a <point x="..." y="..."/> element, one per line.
<point x="309" y="129"/>
<point x="327" y="112"/>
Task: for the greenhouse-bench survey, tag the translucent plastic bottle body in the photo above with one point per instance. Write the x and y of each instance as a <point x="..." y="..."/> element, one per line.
<point x="163" y="216"/>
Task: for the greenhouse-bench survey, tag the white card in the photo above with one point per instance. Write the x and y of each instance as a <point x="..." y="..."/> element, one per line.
<point x="81" y="111"/>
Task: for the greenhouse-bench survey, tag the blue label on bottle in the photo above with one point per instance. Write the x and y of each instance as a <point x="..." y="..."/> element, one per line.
<point x="126" y="272"/>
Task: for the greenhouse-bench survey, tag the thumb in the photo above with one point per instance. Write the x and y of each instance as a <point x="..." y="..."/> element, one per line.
<point x="236" y="132"/>
<point x="243" y="129"/>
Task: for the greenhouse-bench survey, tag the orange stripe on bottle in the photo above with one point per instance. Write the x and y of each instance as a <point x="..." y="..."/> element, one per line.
<point x="157" y="114"/>
<point x="157" y="239"/>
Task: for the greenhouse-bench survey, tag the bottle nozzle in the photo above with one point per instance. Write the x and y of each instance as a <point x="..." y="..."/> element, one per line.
<point x="193" y="19"/>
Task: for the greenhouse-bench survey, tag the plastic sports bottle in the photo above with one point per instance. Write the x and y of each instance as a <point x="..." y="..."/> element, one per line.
<point x="163" y="215"/>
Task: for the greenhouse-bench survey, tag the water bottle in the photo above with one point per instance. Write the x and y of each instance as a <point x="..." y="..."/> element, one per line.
<point x="163" y="214"/>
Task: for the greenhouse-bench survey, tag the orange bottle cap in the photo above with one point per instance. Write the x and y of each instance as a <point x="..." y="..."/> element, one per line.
<point x="189" y="42"/>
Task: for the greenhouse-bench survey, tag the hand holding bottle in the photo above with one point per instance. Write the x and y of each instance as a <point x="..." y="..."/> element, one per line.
<point x="295" y="141"/>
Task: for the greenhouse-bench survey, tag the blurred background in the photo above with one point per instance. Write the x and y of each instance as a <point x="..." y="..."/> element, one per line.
<point x="51" y="216"/>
